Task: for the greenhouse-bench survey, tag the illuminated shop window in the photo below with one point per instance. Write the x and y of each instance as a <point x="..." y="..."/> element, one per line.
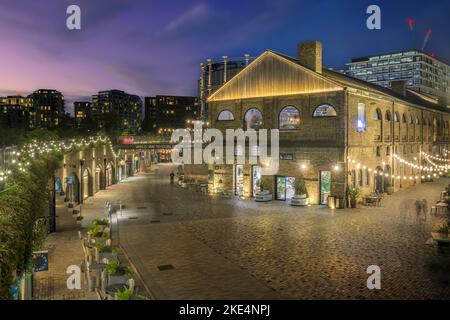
<point x="325" y="110"/>
<point x="289" y="118"/>
<point x="361" y="120"/>
<point x="253" y="119"/>
<point x="225" y="115"/>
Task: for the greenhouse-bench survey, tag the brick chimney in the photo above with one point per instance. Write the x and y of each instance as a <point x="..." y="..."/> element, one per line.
<point x="399" y="87"/>
<point x="310" y="55"/>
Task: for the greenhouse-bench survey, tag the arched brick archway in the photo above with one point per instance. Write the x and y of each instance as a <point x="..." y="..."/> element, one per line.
<point x="87" y="184"/>
<point x="73" y="188"/>
<point x="109" y="174"/>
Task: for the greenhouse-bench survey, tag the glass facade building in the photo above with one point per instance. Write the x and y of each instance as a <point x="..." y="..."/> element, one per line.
<point x="421" y="72"/>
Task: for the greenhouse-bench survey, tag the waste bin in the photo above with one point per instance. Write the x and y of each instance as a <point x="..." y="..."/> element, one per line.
<point x="331" y="201"/>
<point x="340" y="203"/>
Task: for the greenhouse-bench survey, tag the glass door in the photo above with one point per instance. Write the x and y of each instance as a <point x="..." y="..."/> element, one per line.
<point x="325" y="186"/>
<point x="290" y="187"/>
<point x="239" y="180"/>
<point x="256" y="178"/>
<point x="285" y="188"/>
<point x="281" y="188"/>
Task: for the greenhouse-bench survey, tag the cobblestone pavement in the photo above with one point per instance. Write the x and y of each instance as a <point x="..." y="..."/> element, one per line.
<point x="239" y="249"/>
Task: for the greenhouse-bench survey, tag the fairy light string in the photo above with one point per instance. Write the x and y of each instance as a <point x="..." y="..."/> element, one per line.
<point x="21" y="158"/>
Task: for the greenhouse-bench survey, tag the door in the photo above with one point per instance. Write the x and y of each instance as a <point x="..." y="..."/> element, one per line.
<point x="239" y="180"/>
<point x="285" y="187"/>
<point x="325" y="186"/>
<point x="256" y="178"/>
<point x="281" y="188"/>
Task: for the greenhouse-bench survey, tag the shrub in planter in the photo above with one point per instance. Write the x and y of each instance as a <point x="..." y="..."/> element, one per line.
<point x="117" y="273"/>
<point x="301" y="197"/>
<point x="353" y="193"/>
<point x="79" y="219"/>
<point x="70" y="205"/>
<point x="127" y="294"/>
<point x="101" y="222"/>
<point x="105" y="251"/>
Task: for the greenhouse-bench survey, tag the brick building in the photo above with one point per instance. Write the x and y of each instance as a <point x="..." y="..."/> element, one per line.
<point x="335" y="130"/>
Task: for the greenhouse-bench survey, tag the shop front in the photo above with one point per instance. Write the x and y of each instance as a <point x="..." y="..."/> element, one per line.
<point x="285" y="187"/>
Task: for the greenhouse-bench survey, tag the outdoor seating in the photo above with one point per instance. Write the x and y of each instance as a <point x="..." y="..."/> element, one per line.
<point x="373" y="200"/>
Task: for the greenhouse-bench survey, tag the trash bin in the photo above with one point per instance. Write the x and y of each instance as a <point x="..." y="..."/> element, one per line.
<point x="340" y="203"/>
<point x="331" y="201"/>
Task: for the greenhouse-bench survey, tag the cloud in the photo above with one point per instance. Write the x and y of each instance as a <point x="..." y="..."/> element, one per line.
<point x="198" y="21"/>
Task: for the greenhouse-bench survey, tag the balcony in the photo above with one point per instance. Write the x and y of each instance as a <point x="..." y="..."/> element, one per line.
<point x="377" y="137"/>
<point x="396" y="138"/>
<point x="387" y="138"/>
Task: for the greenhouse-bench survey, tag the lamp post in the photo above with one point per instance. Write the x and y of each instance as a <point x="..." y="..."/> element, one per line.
<point x="82" y="181"/>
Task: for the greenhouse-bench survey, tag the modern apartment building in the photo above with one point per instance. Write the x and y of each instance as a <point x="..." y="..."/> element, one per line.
<point x="422" y="72"/>
<point x="163" y="114"/>
<point x="48" y="106"/>
<point x="125" y="106"/>
<point x="82" y="110"/>
<point x="17" y="112"/>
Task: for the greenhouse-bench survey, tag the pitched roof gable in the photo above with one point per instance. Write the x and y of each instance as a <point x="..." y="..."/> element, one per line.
<point x="273" y="74"/>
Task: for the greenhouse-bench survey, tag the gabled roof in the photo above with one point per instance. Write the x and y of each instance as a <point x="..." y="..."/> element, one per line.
<point x="329" y="80"/>
<point x="272" y="74"/>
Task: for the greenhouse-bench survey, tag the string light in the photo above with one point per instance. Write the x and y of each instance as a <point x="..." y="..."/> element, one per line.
<point x="30" y="150"/>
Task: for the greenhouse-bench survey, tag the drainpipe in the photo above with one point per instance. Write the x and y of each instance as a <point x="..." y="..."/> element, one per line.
<point x="393" y="143"/>
<point x="346" y="145"/>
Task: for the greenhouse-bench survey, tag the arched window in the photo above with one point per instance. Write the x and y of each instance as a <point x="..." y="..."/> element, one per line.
<point x="289" y="118"/>
<point x="325" y="110"/>
<point x="387" y="116"/>
<point x="225" y="115"/>
<point x="253" y="119"/>
<point x="417" y="120"/>
<point x="404" y="118"/>
<point x="377" y="114"/>
<point x="396" y="117"/>
<point x="411" y="120"/>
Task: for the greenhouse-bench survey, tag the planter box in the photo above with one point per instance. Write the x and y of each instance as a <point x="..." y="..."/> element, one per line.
<point x="299" y="200"/>
<point x="107" y="255"/>
<point x="442" y="239"/>
<point x="263" y="196"/>
<point x="113" y="279"/>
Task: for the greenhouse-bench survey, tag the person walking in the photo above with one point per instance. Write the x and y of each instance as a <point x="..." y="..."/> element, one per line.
<point x="172" y="176"/>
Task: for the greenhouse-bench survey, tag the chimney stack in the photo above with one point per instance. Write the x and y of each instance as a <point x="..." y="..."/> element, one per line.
<point x="399" y="87"/>
<point x="310" y="55"/>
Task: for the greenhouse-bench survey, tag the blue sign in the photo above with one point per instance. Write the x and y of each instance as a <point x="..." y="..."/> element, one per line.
<point x="40" y="261"/>
<point x="69" y="180"/>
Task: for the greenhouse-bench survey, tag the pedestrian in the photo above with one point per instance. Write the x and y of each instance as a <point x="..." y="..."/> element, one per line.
<point x="425" y="208"/>
<point x="418" y="206"/>
<point x="172" y="176"/>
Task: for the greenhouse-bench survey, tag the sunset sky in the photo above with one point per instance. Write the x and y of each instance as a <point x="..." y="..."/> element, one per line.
<point x="155" y="47"/>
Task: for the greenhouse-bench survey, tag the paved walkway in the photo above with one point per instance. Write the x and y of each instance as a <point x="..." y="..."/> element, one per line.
<point x="64" y="249"/>
<point x="187" y="245"/>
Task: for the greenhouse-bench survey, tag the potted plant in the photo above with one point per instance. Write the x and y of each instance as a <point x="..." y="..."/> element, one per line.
<point x="389" y="187"/>
<point x="353" y="193"/>
<point x="128" y="294"/>
<point x="441" y="233"/>
<point x="104" y="251"/>
<point x="117" y="273"/>
<point x="95" y="231"/>
<point x="101" y="223"/>
<point x="301" y="197"/>
<point x="263" y="195"/>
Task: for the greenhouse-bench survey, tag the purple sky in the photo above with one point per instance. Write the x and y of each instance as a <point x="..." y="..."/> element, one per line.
<point x="155" y="47"/>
